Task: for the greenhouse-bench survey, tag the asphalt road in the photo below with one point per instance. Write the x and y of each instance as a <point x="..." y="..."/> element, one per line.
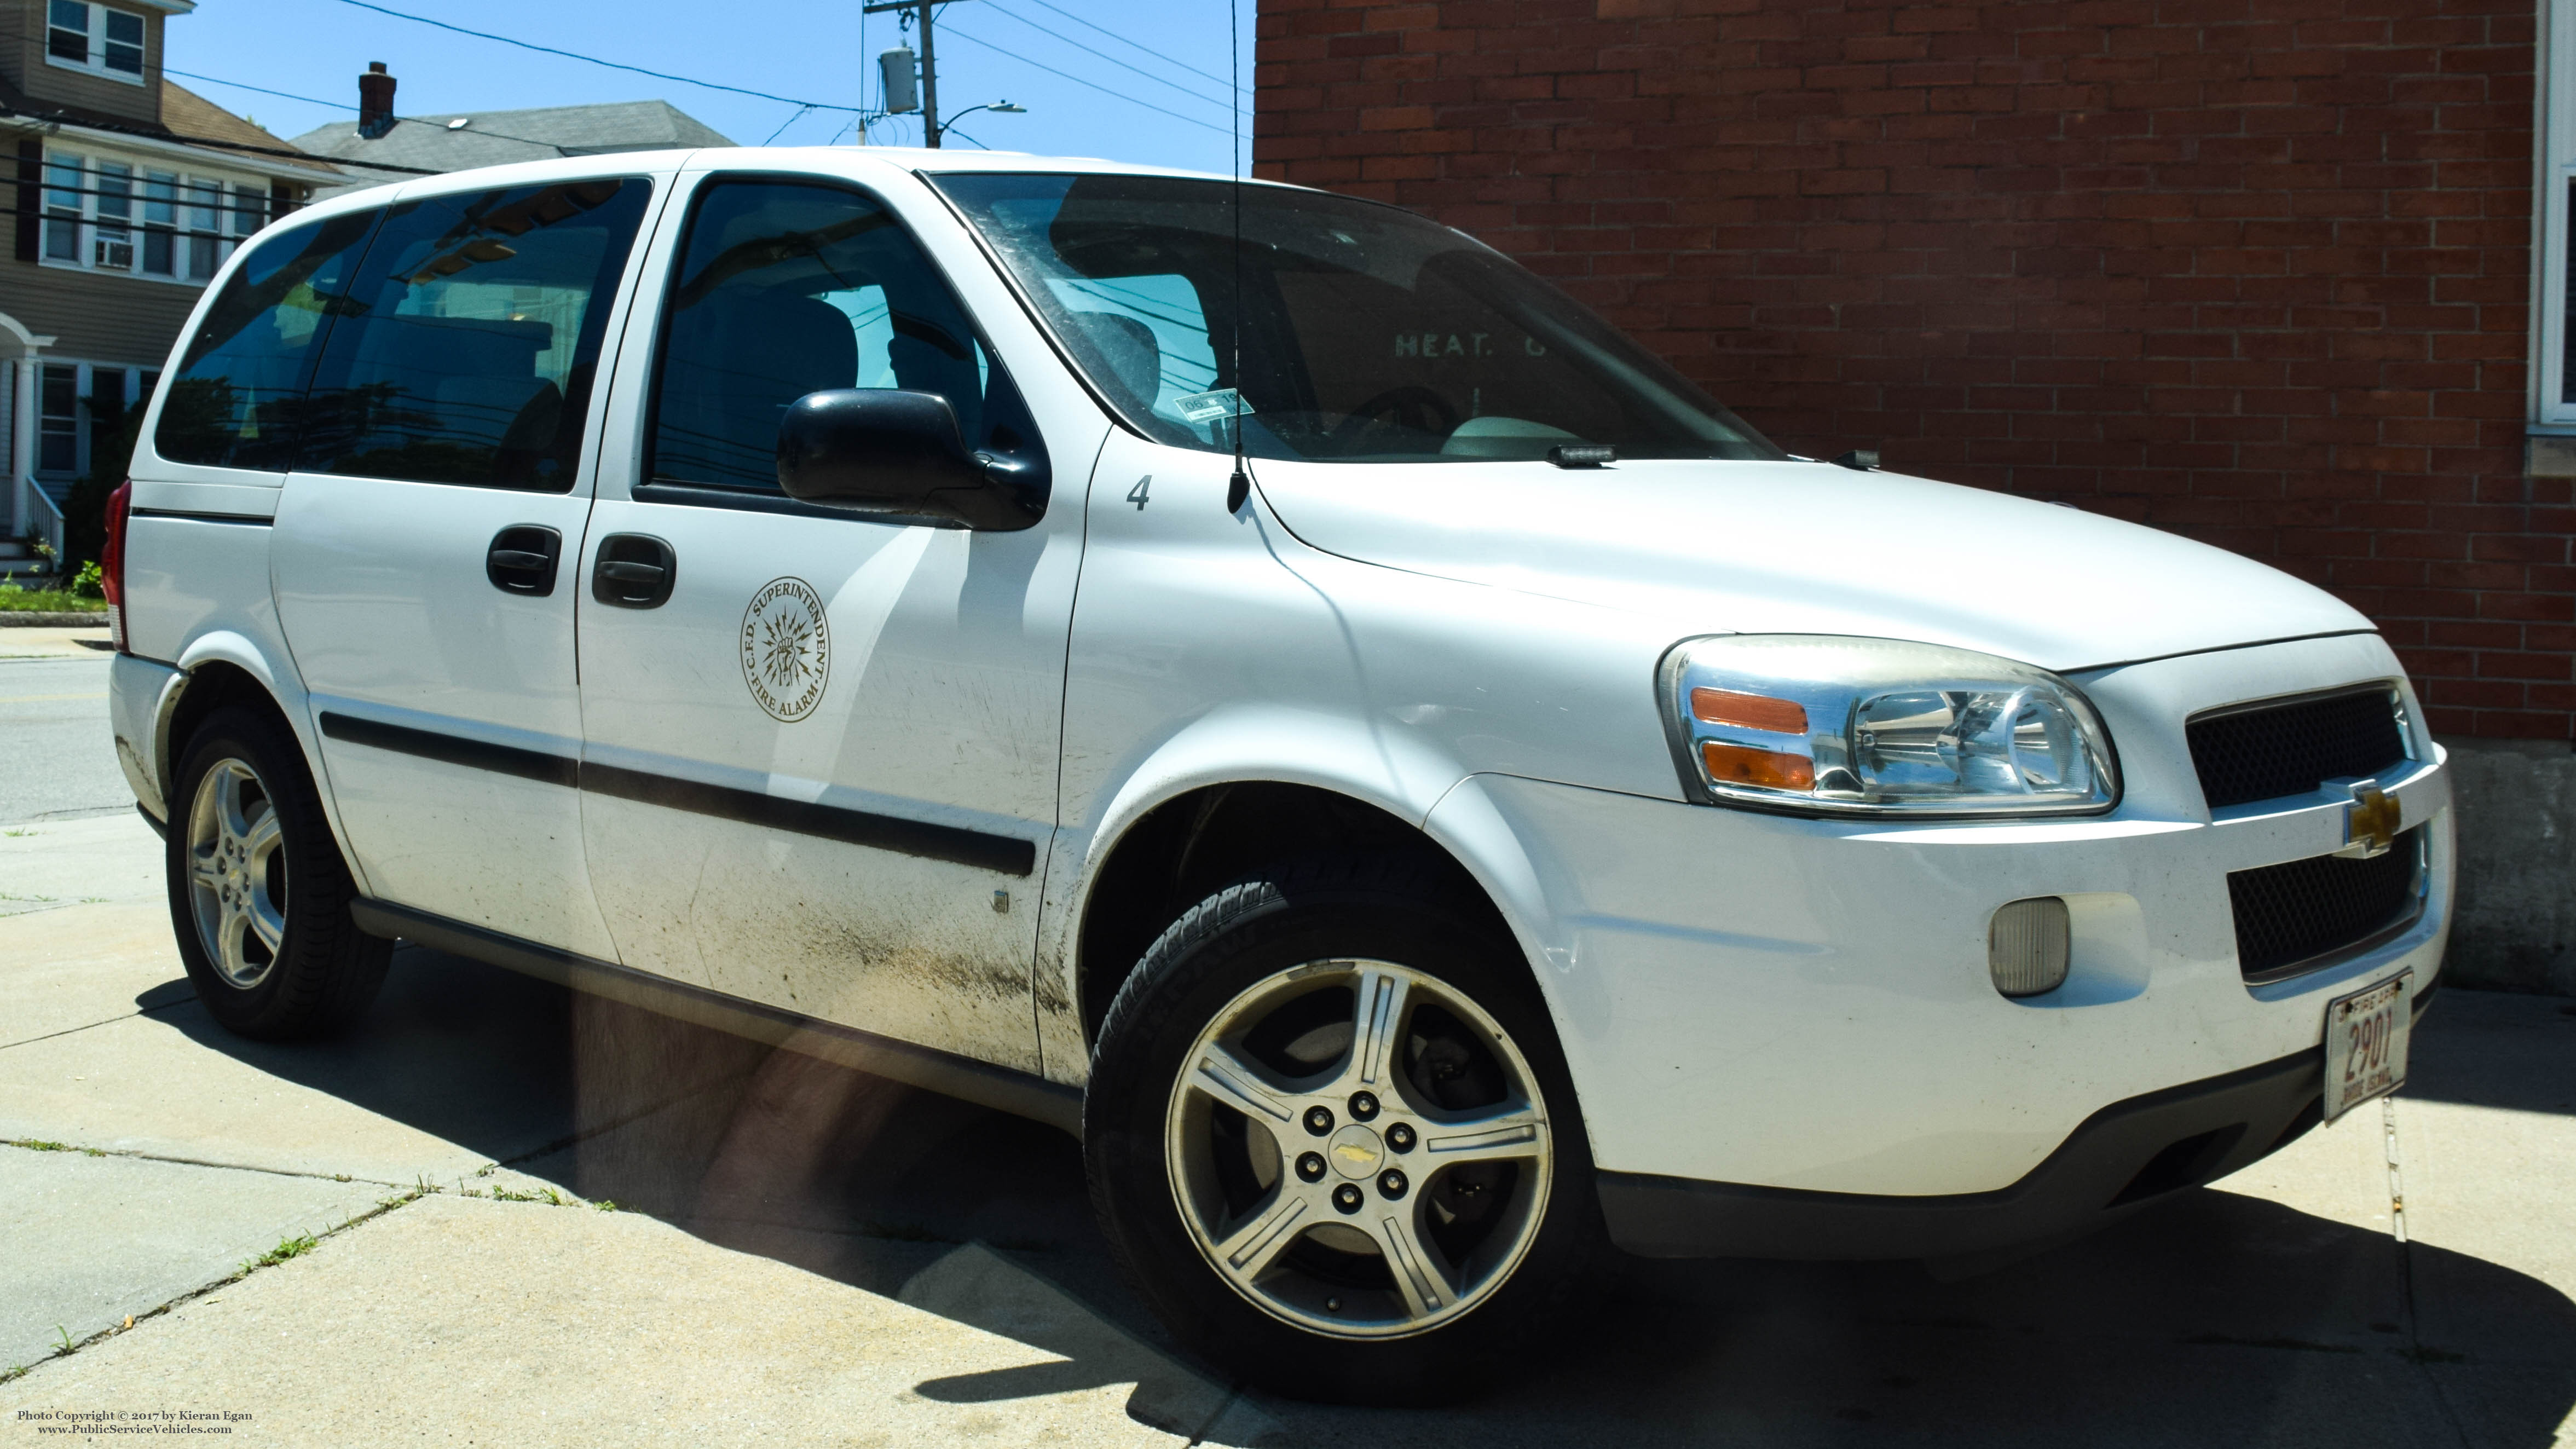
<point x="57" y="756"/>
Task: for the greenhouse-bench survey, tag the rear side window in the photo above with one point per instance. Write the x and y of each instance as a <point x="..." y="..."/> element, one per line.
<point x="786" y="288"/>
<point x="470" y="339"/>
<point x="237" y="399"/>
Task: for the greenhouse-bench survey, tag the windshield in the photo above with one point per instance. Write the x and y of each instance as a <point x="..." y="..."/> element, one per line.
<point x="1368" y="334"/>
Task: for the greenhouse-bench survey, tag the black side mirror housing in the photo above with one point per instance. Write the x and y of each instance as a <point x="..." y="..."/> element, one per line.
<point x="899" y="454"/>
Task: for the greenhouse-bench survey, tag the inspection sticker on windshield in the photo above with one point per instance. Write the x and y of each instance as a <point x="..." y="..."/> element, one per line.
<point x="2366" y="1044"/>
<point x="1203" y="407"/>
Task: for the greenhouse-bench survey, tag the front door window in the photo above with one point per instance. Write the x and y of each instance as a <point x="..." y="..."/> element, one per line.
<point x="787" y="288"/>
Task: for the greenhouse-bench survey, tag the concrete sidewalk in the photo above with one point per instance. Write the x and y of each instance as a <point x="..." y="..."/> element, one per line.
<point x="53" y="641"/>
<point x="801" y="1254"/>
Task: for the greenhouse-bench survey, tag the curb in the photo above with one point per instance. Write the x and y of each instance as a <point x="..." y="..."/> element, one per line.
<point x="54" y="619"/>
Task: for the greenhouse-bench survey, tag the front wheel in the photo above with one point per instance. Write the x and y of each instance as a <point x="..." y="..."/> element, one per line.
<point x="259" y="895"/>
<point x="1333" y="1141"/>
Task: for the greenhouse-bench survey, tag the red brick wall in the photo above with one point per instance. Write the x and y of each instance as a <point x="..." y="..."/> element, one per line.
<point x="2256" y="271"/>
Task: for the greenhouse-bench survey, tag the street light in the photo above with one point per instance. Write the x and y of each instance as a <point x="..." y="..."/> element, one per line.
<point x="999" y="108"/>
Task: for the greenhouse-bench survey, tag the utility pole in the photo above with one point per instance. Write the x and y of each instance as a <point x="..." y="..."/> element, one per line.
<point x="929" y="81"/>
<point x="929" y="63"/>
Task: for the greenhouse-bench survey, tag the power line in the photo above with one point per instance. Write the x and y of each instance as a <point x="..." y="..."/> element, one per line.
<point x="113" y="128"/>
<point x="263" y="90"/>
<point x="1104" y="55"/>
<point x="1123" y="40"/>
<point x="783" y="125"/>
<point x="595" y="60"/>
<point x="1077" y="80"/>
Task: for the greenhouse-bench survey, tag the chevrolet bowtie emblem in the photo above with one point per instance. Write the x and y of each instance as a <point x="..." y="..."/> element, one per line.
<point x="2369" y="823"/>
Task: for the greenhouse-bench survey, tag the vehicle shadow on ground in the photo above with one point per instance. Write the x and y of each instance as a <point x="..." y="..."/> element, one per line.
<point x="2214" y="1318"/>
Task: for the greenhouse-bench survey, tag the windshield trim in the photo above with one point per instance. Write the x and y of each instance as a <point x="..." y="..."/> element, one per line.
<point x="1028" y="306"/>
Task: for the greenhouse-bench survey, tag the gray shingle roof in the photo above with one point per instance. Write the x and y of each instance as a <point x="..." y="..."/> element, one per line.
<point x="493" y="138"/>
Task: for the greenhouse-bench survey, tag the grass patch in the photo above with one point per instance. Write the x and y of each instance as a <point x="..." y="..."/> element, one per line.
<point x="294" y="1247"/>
<point x="38" y="1144"/>
<point x="21" y="600"/>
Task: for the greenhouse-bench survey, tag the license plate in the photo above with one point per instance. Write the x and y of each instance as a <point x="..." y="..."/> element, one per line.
<point x="2366" y="1044"/>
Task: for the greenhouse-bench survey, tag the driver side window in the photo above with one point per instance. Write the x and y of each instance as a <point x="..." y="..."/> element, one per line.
<point x="790" y="287"/>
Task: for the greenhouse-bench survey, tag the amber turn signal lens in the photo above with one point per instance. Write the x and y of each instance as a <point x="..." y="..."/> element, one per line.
<point x="1736" y="765"/>
<point x="1750" y="711"/>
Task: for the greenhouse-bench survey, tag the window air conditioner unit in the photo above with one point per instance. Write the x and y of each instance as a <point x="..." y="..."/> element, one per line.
<point x="114" y="253"/>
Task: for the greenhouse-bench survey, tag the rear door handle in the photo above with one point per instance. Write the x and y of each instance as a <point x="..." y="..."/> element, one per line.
<point x="522" y="559"/>
<point x="634" y="571"/>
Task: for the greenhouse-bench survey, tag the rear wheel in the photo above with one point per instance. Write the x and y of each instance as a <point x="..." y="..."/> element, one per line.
<point x="259" y="895"/>
<point x="1332" y="1139"/>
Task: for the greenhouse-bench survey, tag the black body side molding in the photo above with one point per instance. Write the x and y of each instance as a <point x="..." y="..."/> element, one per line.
<point x="1003" y="853"/>
<point x="535" y="765"/>
<point x="1007" y="854"/>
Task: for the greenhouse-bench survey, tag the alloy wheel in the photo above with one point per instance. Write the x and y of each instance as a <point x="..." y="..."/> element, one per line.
<point x="1358" y="1149"/>
<point x="237" y="872"/>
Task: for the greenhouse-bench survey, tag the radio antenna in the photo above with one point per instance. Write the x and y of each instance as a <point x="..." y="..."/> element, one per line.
<point x="1239" y="487"/>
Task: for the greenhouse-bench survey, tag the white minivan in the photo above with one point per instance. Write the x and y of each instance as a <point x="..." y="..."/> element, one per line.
<point x="1259" y="680"/>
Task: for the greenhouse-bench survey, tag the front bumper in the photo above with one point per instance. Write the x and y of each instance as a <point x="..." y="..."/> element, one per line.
<point x="2119" y="1160"/>
<point x="1764" y="1004"/>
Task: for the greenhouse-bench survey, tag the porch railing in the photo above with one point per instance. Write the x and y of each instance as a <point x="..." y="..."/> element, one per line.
<point x="43" y="520"/>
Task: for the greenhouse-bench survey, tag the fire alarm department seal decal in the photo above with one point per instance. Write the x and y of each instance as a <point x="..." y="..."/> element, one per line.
<point x="786" y="649"/>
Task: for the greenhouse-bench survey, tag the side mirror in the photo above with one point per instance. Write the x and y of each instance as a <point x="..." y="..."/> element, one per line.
<point x="878" y="450"/>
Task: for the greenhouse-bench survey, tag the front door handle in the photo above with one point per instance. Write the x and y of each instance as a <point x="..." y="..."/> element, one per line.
<point x="522" y="558"/>
<point x="634" y="571"/>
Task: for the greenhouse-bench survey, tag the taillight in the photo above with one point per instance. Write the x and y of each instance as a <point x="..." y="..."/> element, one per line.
<point x="111" y="562"/>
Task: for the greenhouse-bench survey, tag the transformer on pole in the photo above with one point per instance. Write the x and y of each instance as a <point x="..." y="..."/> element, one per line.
<point x="888" y="66"/>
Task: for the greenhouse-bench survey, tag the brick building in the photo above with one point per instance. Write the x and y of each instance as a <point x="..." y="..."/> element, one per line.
<point x="2265" y="272"/>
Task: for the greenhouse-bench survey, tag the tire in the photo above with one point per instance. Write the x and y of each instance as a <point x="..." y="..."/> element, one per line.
<point x="1327" y="1279"/>
<point x="259" y="893"/>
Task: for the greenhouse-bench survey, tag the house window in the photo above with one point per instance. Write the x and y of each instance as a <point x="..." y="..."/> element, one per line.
<point x="205" y="243"/>
<point x="66" y="199"/>
<point x="250" y="208"/>
<point x="100" y="216"/>
<point x="112" y="241"/>
<point x="160" y="224"/>
<point x="58" y="420"/>
<point x="79" y="408"/>
<point x="94" y="38"/>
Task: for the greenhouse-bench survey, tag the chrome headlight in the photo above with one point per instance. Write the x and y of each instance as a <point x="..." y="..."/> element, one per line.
<point x="1846" y="726"/>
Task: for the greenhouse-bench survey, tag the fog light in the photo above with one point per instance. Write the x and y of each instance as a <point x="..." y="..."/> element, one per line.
<point x="2026" y="947"/>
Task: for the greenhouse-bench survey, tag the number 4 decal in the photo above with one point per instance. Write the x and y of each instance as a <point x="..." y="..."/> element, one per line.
<point x="1137" y="494"/>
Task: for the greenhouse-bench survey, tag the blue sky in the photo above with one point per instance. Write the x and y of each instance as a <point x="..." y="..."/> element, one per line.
<point x="809" y="50"/>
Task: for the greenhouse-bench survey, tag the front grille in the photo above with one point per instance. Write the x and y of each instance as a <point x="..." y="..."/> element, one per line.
<point x="2292" y="747"/>
<point x="2289" y="915"/>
